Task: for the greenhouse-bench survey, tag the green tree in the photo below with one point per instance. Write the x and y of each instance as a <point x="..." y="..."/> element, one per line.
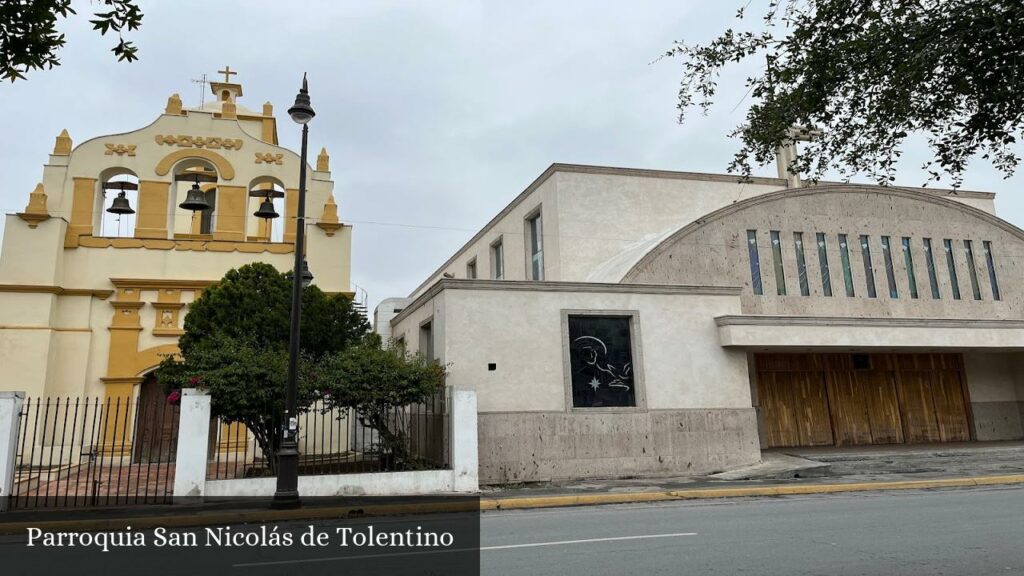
<point x="236" y="346"/>
<point x="29" y="39"/>
<point x="866" y="74"/>
<point x="373" y="382"/>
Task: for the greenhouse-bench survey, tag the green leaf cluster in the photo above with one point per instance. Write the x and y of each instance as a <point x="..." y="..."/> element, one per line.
<point x="866" y="74"/>
<point x="236" y="346"/>
<point x="29" y="39"/>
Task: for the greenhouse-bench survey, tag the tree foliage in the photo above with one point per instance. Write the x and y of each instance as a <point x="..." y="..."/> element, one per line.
<point x="253" y="304"/>
<point x="236" y="346"/>
<point x="373" y="381"/>
<point x="868" y="73"/>
<point x="29" y="39"/>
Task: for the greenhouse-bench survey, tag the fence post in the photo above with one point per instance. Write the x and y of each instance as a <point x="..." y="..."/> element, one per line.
<point x="10" y="418"/>
<point x="193" y="443"/>
<point x="465" y="465"/>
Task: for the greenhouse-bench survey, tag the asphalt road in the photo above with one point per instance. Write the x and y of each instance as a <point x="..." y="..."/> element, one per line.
<point x="972" y="532"/>
<point x="952" y="532"/>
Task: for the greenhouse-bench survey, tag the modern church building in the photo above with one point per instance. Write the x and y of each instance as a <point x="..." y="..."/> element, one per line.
<point x="620" y="322"/>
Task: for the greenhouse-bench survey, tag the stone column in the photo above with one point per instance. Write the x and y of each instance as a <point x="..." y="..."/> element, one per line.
<point x="232" y="213"/>
<point x="465" y="457"/>
<point x="193" y="443"/>
<point x="10" y="415"/>
<point x="153" y="208"/>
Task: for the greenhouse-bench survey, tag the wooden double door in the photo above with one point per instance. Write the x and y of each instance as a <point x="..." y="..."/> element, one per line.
<point x="857" y="399"/>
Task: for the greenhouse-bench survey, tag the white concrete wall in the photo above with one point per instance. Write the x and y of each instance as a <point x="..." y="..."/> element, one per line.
<point x="193" y="442"/>
<point x="379" y="484"/>
<point x="844" y="336"/>
<point x="191" y="461"/>
<point x="603" y="215"/>
<point x="521" y="331"/>
<point x="599" y="221"/>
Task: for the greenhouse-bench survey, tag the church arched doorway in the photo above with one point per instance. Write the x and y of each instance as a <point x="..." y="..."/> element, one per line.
<point x="156" y="436"/>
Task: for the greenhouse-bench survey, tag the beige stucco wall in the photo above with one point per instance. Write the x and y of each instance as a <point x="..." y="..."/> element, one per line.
<point x="844" y="335"/>
<point x="600" y="221"/>
<point x="520" y="330"/>
<point x="715" y="252"/>
<point x="694" y="415"/>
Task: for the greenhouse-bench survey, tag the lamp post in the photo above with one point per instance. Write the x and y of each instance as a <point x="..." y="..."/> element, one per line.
<point x="287" y="493"/>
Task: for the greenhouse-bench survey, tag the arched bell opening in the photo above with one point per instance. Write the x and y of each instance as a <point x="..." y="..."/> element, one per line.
<point x="266" y="210"/>
<point x="118" y="199"/>
<point x="195" y="197"/>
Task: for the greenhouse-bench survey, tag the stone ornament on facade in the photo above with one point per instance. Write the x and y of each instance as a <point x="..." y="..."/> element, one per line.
<point x="323" y="161"/>
<point x="62" y="147"/>
<point x="211" y="142"/>
<point x="36" y="211"/>
<point x="119" y="149"/>
<point x="269" y="158"/>
<point x="329" y="222"/>
<point x="174" y="105"/>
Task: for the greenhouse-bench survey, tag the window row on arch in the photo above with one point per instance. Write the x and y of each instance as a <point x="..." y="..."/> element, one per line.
<point x="910" y="250"/>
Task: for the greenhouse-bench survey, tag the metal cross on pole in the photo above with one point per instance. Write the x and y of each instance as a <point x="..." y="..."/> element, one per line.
<point x="227" y="72"/>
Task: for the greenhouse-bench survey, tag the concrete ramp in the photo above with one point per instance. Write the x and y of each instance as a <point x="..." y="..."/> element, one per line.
<point x="776" y="466"/>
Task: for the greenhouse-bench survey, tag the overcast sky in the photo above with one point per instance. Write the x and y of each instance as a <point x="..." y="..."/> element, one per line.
<point x="436" y="114"/>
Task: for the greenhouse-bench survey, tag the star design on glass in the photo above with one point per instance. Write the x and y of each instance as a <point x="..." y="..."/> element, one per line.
<point x="594" y="384"/>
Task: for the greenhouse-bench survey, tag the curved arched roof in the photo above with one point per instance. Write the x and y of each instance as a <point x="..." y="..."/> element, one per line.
<point x="655" y="249"/>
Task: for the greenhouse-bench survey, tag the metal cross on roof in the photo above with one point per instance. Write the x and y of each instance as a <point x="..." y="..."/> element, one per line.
<point x="227" y="72"/>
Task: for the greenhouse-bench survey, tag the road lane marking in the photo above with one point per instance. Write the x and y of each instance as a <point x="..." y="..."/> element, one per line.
<point x="587" y="540"/>
<point x="452" y="550"/>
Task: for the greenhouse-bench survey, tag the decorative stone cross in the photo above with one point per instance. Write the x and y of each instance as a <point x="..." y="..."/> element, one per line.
<point x="227" y="72"/>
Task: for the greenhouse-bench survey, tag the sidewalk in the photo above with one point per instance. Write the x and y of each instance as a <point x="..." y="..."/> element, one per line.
<point x="783" y="472"/>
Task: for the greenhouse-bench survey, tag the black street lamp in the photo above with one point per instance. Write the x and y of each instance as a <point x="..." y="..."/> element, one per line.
<point x="287" y="494"/>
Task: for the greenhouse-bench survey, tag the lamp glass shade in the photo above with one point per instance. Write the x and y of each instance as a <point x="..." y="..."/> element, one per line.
<point x="302" y="112"/>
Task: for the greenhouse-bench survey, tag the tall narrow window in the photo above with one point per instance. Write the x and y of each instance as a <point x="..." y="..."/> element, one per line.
<point x="536" y="239"/>
<point x="780" y="273"/>
<point x="844" y="257"/>
<point x="908" y="260"/>
<point x="497" y="260"/>
<point x="991" y="269"/>
<point x="972" y="272"/>
<point x="826" y="278"/>
<point x="755" y="262"/>
<point x="929" y="260"/>
<point x="869" y="272"/>
<point x="890" y="273"/>
<point x="801" y="264"/>
<point x="951" y="264"/>
<point x="471" y="269"/>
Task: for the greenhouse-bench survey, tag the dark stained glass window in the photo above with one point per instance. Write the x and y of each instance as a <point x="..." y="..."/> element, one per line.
<point x="991" y="269"/>
<point x="755" y="262"/>
<point x="601" y="361"/>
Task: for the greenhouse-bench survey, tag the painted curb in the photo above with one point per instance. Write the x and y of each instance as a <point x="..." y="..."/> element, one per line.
<point x="490" y="503"/>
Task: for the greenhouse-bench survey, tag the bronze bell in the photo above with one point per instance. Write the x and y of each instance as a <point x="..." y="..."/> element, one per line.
<point x="120" y="205"/>
<point x="266" y="210"/>
<point x="195" y="200"/>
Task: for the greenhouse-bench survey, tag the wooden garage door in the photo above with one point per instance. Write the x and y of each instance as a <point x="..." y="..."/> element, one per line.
<point x="815" y="399"/>
<point x="865" y="408"/>
<point x="795" y="409"/>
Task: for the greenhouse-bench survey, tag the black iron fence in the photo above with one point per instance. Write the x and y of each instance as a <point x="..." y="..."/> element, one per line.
<point x="344" y="441"/>
<point x="94" y="452"/>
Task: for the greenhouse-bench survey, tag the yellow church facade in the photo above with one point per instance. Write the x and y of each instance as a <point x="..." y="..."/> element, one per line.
<point x="91" y="301"/>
